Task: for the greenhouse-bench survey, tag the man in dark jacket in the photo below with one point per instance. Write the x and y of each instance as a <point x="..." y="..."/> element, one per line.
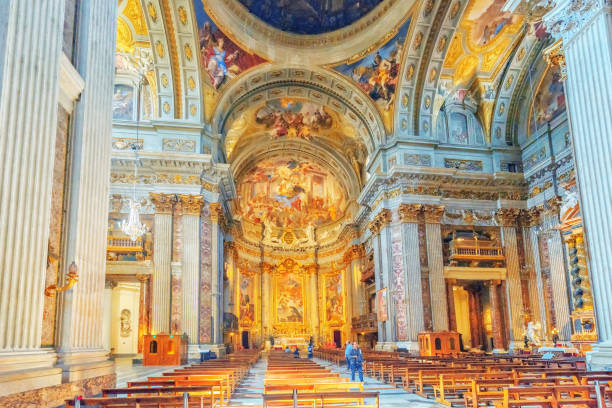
<point x="356" y="362"/>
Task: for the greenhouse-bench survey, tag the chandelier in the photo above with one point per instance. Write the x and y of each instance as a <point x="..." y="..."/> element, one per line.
<point x="133" y="227"/>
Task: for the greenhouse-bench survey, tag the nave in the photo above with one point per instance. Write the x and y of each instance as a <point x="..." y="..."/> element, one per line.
<point x="393" y="380"/>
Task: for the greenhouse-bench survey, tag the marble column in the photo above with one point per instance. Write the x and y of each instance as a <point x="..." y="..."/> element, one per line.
<point x="586" y="33"/>
<point x="439" y="306"/>
<point x="450" y="301"/>
<point x="313" y="296"/>
<point x="106" y="326"/>
<point x="29" y="65"/>
<point x="410" y="216"/>
<point x="143" y="309"/>
<point x="162" y="258"/>
<point x="80" y="336"/>
<point x="191" y="206"/>
<point x="379" y="227"/>
<point x="266" y="300"/>
<point x="216" y="214"/>
<point x="496" y="317"/>
<point x="530" y="220"/>
<point x="507" y="218"/>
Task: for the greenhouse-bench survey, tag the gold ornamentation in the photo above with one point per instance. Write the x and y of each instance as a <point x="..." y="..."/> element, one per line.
<point x="530" y="218"/>
<point x="191" y="83"/>
<point x="454" y="52"/>
<point x="164" y="80"/>
<point x="521" y="54"/>
<point x="380" y="221"/>
<point x="166" y="107"/>
<point x="498" y="133"/>
<point x="188" y="52"/>
<point x="466" y="68"/>
<point x="502" y="107"/>
<point x="425" y="126"/>
<point x="442" y="43"/>
<point x="555" y="55"/>
<point x="125" y="41"/>
<point x="427" y="102"/>
<point x="432" y="74"/>
<point x="417" y="41"/>
<point x="152" y="12"/>
<point x="160" y="48"/>
<point x="429" y="4"/>
<point x="216" y="212"/>
<point x="182" y="15"/>
<point x="507" y="217"/>
<point x="410" y="213"/>
<point x="509" y="81"/>
<point x="410" y="73"/>
<point x="134" y="13"/>
<point x="433" y="213"/>
<point x="163" y="202"/>
<point x="455" y="9"/>
<point x="193" y="110"/>
<point x="404" y="124"/>
<point x="404" y="100"/>
<point x="72" y="277"/>
<point x="191" y="204"/>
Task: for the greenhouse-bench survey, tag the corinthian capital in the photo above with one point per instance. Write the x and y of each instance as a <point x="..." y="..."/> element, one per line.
<point x="433" y="213"/>
<point x="216" y="212"/>
<point x="191" y="204"/>
<point x="555" y="56"/>
<point x="531" y="217"/>
<point x="569" y="17"/>
<point x="507" y="217"/>
<point x="162" y="202"/>
<point x="410" y="213"/>
<point x="380" y="221"/>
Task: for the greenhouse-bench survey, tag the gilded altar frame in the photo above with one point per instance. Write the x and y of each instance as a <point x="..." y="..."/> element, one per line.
<point x="294" y="329"/>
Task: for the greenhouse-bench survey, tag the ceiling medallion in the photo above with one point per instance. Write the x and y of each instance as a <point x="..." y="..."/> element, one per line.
<point x="152" y="12"/>
<point x="193" y="110"/>
<point x="160" y="49"/>
<point x="188" y="52"/>
<point x="182" y="15"/>
<point x="166" y="107"/>
<point x="164" y="80"/>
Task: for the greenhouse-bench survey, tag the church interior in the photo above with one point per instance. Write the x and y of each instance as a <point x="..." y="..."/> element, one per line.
<point x="205" y="184"/>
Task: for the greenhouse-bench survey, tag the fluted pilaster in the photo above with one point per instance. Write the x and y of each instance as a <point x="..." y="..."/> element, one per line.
<point x="437" y="286"/>
<point x="162" y="258"/>
<point x="558" y="280"/>
<point x="313" y="294"/>
<point x="266" y="300"/>
<point x="81" y="337"/>
<point x="409" y="217"/>
<point x="216" y="213"/>
<point x="28" y="123"/>
<point x="382" y="267"/>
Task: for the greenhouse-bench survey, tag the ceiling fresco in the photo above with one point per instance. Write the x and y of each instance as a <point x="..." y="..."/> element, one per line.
<point x="483" y="42"/>
<point x="288" y="118"/>
<point x="310" y="16"/>
<point x="290" y="193"/>
<point x="222" y="58"/>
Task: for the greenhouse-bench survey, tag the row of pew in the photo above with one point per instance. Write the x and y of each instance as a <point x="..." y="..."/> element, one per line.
<point x="476" y="380"/>
<point x="295" y="382"/>
<point x="208" y="384"/>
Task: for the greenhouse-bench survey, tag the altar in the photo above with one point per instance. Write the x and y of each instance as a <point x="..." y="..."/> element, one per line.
<point x="280" y="342"/>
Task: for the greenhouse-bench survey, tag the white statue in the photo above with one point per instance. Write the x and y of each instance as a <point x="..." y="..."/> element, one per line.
<point x="534" y="333"/>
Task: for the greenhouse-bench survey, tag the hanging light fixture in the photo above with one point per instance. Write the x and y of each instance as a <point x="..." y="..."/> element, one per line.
<point x="133" y="227"/>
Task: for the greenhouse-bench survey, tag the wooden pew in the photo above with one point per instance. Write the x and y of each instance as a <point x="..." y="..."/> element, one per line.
<point x="335" y="399"/>
<point x="552" y="397"/>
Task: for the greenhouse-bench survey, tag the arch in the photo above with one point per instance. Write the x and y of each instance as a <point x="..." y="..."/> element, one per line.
<point x="315" y="85"/>
<point x="287" y="48"/>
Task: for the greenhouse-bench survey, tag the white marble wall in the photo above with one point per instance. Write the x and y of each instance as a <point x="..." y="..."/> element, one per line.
<point x="191" y="277"/>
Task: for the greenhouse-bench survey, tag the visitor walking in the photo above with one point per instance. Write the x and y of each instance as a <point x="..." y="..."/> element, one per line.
<point x="347" y="354"/>
<point x="356" y="362"/>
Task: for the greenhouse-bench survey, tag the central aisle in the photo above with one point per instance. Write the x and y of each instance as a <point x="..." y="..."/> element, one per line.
<point x="250" y="391"/>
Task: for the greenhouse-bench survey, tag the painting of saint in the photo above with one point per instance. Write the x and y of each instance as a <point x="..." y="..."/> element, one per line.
<point x="247" y="307"/>
<point x="293" y="118"/>
<point x="549" y="101"/>
<point x="458" y="129"/>
<point x="123" y="102"/>
<point x="334" y="301"/>
<point x="290" y="194"/>
<point x="290" y="299"/>
<point x="381" y="305"/>
<point x="222" y="58"/>
<point x="488" y="20"/>
<point x="377" y="74"/>
<point x="309" y="16"/>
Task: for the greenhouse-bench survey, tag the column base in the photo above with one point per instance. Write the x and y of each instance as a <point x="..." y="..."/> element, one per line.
<point x="23" y="371"/>
<point x="77" y="366"/>
<point x="600" y="358"/>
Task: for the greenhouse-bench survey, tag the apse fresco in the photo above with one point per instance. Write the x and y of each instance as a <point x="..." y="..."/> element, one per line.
<point x="334" y="307"/>
<point x="222" y="58"/>
<point x="293" y="118"/>
<point x="549" y="101"/>
<point x="310" y="16"/>
<point x="247" y="299"/>
<point x="488" y="19"/>
<point x="290" y="194"/>
<point x="289" y="298"/>
<point x="458" y="129"/>
<point x="123" y="102"/>
<point x="377" y="73"/>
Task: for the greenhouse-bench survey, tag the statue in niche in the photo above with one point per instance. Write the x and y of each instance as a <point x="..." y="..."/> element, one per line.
<point x="126" y="326"/>
<point x="534" y="334"/>
<point x="356" y="166"/>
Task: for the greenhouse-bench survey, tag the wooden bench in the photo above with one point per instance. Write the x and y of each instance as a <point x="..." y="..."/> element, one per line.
<point x="184" y="401"/>
<point x="321" y="399"/>
<point x="553" y="397"/>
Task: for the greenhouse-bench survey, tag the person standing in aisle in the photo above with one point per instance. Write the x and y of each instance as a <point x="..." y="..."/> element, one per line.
<point x="347" y="355"/>
<point x="356" y="362"/>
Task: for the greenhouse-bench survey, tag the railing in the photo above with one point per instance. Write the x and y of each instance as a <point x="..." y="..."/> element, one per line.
<point x="477" y="251"/>
<point x="124" y="244"/>
<point x="367" y="322"/>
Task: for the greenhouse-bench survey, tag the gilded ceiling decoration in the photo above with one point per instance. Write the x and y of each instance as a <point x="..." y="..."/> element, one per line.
<point x="309" y="16"/>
